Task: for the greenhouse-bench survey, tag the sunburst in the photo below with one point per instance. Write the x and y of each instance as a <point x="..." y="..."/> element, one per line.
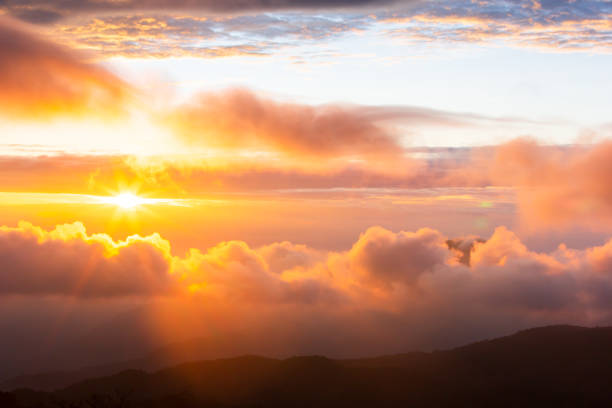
<point x="128" y="200"/>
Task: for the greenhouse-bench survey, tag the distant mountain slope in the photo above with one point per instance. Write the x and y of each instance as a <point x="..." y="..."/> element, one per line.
<point x="560" y="366"/>
<point x="172" y="354"/>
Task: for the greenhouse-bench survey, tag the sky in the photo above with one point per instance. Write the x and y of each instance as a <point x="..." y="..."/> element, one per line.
<point x="355" y="177"/>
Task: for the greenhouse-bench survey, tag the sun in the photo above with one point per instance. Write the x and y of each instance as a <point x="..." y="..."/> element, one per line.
<point x="126" y="200"/>
<point x="129" y="201"/>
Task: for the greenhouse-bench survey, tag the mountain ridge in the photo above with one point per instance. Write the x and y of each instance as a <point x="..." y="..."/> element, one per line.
<point x="557" y="365"/>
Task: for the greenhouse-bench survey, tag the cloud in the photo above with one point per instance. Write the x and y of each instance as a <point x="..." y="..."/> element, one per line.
<point x="240" y="119"/>
<point x="41" y="79"/>
<point x="553" y="25"/>
<point x="210" y="29"/>
<point x="557" y="185"/>
<point x="383" y="257"/>
<point x="233" y="172"/>
<point x="234" y="272"/>
<point x="40" y="10"/>
<point x="553" y="186"/>
<point x="503" y="271"/>
<point x="286" y="257"/>
<point x="67" y="261"/>
<point x="392" y="291"/>
<point x="465" y="246"/>
<point x="163" y="36"/>
<point x="509" y="274"/>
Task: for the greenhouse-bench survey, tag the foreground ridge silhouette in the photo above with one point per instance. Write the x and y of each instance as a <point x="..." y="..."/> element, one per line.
<point x="560" y="366"/>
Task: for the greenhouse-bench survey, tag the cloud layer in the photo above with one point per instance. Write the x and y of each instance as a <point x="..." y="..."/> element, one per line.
<point x="556" y="186"/>
<point x="148" y="28"/>
<point x="389" y="292"/>
<point x="383" y="270"/>
<point x="554" y="24"/>
<point x="50" y="10"/>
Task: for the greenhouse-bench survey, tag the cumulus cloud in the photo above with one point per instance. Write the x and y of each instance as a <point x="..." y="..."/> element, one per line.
<point x="286" y="257"/>
<point x="509" y="274"/>
<point x="40" y="78"/>
<point x="383" y="257"/>
<point x="389" y="292"/>
<point x="67" y="261"/>
<point x="234" y="272"/>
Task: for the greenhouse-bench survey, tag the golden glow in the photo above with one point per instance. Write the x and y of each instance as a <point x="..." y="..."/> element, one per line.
<point x="127" y="200"/>
<point x="130" y="201"/>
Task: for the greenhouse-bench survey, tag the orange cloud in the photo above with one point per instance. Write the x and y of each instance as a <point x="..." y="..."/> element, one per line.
<point x="557" y="185"/>
<point x="96" y="174"/>
<point x="234" y="272"/>
<point x="389" y="291"/>
<point x="62" y="173"/>
<point x="67" y="261"/>
<point x="238" y="119"/>
<point x="42" y="79"/>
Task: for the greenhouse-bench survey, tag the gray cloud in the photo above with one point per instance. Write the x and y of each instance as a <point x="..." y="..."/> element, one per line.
<point x="161" y="35"/>
<point x="214" y="29"/>
<point x="555" y="24"/>
<point x="42" y="10"/>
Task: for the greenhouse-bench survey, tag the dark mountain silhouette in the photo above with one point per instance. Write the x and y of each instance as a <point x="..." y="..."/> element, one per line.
<point x="172" y="354"/>
<point x="560" y="366"/>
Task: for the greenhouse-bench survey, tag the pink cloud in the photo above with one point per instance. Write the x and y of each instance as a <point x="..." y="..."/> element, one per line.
<point x="557" y="185"/>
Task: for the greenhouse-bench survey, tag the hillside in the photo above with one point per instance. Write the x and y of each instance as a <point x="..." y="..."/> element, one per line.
<point x="549" y="366"/>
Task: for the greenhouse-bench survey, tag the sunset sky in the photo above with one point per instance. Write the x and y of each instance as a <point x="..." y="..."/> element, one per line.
<point x="342" y="177"/>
